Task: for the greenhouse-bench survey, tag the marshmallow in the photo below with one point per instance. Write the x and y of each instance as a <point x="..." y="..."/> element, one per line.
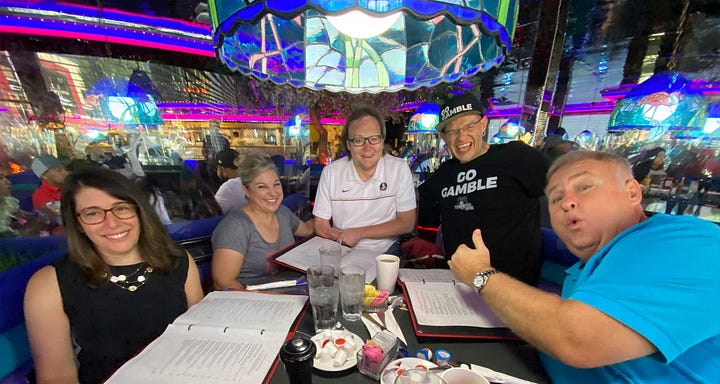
<point x="340" y="358"/>
<point x="330" y="348"/>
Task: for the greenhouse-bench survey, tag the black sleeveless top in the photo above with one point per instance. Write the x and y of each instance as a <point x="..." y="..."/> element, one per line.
<point x="109" y="325"/>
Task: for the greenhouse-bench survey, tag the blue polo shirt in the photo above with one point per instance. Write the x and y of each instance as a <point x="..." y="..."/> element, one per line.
<point x="662" y="279"/>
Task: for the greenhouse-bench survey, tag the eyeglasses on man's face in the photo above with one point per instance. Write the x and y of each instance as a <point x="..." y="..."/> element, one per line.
<point x="97" y="215"/>
<point x="470" y="127"/>
<point x="359" y="141"/>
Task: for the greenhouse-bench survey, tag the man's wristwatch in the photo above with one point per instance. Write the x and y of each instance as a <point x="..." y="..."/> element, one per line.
<point x="481" y="278"/>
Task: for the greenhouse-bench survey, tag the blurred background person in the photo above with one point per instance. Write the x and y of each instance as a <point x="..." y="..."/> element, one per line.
<point x="15" y="222"/>
<point x="123" y="281"/>
<point x="46" y="198"/>
<point x="246" y="238"/>
<point x="650" y="170"/>
<point x="230" y="195"/>
<point x="52" y="174"/>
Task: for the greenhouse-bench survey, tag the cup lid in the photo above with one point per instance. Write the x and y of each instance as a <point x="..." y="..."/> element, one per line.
<point x="298" y="346"/>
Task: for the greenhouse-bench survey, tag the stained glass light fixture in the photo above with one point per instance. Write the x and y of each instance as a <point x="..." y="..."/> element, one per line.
<point x="362" y="45"/>
<point x="664" y="102"/>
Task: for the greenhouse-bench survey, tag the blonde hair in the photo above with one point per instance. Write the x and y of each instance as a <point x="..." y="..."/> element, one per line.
<point x="252" y="163"/>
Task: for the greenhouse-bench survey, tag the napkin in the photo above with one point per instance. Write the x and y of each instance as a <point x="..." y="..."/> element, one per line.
<point x="390" y="323"/>
<point x="371" y="327"/>
<point x="498" y="377"/>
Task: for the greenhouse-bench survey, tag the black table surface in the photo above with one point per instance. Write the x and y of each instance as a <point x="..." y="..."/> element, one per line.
<point x="515" y="358"/>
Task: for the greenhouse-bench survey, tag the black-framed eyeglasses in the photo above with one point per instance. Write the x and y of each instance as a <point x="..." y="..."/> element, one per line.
<point x="96" y="215"/>
<point x="359" y="141"/>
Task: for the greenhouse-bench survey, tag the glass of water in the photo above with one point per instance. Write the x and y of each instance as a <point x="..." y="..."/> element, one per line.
<point x="324" y="294"/>
<point x="352" y="284"/>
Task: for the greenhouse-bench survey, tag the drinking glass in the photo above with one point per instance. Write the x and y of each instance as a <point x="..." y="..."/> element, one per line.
<point x="331" y="255"/>
<point x="352" y="284"/>
<point x="324" y="294"/>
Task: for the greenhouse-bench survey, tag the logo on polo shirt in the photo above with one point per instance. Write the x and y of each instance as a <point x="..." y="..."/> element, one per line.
<point x="383" y="186"/>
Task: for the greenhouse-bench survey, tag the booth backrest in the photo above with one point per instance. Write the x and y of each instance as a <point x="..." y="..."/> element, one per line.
<point x="14" y="347"/>
<point x="556" y="259"/>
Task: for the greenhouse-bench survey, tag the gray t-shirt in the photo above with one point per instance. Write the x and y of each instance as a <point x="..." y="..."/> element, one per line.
<point x="237" y="232"/>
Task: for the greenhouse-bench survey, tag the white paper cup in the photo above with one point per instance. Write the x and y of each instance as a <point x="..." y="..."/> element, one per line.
<point x="462" y="376"/>
<point x="387" y="272"/>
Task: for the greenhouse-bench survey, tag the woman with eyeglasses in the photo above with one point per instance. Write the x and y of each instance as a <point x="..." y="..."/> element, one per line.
<point x="246" y="238"/>
<point x="123" y="281"/>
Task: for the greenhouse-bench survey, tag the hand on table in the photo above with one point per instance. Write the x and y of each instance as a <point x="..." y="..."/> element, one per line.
<point x="350" y="237"/>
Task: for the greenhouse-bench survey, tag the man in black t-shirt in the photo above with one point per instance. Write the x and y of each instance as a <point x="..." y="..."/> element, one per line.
<point x="495" y="188"/>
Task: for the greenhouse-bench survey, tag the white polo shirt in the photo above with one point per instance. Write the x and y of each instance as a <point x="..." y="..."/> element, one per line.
<point x="352" y="203"/>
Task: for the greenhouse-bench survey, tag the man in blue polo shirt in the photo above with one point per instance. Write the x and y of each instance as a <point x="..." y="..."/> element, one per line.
<point x="641" y="305"/>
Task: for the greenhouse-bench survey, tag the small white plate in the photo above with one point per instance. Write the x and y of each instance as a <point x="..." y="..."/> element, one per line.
<point x="351" y="354"/>
<point x="389" y="373"/>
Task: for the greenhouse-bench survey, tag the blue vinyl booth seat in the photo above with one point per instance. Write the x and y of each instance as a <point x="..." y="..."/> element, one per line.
<point x="556" y="259"/>
<point x="15" y="359"/>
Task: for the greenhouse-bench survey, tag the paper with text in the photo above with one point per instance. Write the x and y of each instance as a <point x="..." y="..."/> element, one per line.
<point x="228" y="337"/>
<point x="440" y="275"/>
<point x="306" y="254"/>
<point x="448" y="304"/>
<point x="255" y="310"/>
<point x="203" y="355"/>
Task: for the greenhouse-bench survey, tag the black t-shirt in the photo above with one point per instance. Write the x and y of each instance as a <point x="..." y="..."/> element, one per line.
<point x="497" y="192"/>
<point x="110" y="325"/>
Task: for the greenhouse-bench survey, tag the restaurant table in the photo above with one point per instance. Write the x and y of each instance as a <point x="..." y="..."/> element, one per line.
<point x="515" y="358"/>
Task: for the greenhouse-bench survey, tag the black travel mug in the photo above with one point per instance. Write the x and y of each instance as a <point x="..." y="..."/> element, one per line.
<point x="297" y="355"/>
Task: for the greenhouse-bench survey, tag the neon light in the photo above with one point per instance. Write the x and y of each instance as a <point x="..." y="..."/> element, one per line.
<point x="108" y="13"/>
<point x="103" y="25"/>
<point x="105" y="38"/>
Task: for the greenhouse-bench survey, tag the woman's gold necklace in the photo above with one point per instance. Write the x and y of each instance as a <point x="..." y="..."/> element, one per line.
<point x="127" y="283"/>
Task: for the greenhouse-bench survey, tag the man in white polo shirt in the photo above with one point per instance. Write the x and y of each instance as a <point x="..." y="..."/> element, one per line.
<point x="230" y="195"/>
<point x="366" y="199"/>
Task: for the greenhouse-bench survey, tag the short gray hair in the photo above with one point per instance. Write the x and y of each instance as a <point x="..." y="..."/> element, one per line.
<point x="252" y="163"/>
<point x="573" y="157"/>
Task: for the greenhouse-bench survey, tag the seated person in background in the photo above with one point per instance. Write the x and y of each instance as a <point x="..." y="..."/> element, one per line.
<point x="246" y="238"/>
<point x="15" y="222"/>
<point x="651" y="170"/>
<point x="52" y="174"/>
<point x="637" y="307"/>
<point x="496" y="188"/>
<point x="368" y="195"/>
<point x="123" y="281"/>
<point x="230" y="195"/>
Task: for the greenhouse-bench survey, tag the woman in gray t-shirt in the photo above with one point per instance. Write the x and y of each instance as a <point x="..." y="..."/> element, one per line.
<point x="246" y="238"/>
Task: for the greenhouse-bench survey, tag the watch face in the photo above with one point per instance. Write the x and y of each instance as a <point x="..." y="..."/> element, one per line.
<point x="479" y="281"/>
